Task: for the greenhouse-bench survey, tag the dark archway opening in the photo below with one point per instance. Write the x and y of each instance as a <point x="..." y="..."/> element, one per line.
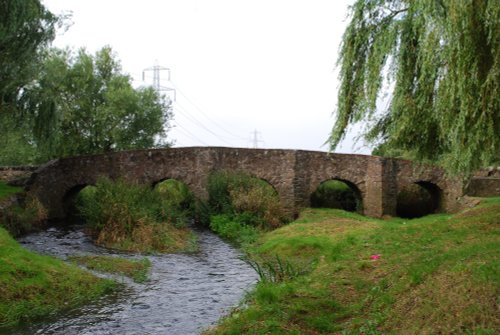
<point x="71" y="201"/>
<point x="336" y="193"/>
<point x="418" y="199"/>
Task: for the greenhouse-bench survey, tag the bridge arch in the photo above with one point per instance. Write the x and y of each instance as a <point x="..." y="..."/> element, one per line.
<point x="69" y="200"/>
<point x="268" y="177"/>
<point x="338" y="193"/>
<point x="422" y="197"/>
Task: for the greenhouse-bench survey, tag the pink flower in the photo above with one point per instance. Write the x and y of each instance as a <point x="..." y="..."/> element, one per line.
<point x="375" y="257"/>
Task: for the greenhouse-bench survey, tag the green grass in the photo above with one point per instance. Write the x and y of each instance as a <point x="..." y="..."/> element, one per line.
<point x="135" y="269"/>
<point x="231" y="229"/>
<point x="34" y="286"/>
<point x="6" y="190"/>
<point x="438" y="274"/>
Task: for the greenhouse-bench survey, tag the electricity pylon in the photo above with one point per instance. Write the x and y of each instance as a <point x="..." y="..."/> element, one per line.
<point x="156" y="77"/>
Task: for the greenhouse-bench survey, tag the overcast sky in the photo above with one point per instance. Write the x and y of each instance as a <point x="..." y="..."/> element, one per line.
<point x="238" y="66"/>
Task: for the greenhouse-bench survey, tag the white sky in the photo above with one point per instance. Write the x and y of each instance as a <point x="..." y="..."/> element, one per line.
<point x="237" y="65"/>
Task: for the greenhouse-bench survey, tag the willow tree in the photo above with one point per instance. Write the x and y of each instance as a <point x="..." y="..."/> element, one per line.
<point x="437" y="62"/>
<point x="26" y="27"/>
<point x="84" y="104"/>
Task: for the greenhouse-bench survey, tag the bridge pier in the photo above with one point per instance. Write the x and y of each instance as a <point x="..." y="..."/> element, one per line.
<point x="381" y="191"/>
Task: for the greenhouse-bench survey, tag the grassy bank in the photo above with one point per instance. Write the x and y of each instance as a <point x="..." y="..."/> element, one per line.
<point x="33" y="286"/>
<point x="135" y="269"/>
<point x="333" y="272"/>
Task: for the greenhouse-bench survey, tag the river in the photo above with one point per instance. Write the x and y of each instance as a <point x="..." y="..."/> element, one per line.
<point x="185" y="293"/>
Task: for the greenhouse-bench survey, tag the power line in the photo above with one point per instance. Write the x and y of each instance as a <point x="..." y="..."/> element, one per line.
<point x="206" y="116"/>
<point x="187" y="133"/>
<point x="196" y="122"/>
<point x="156" y="69"/>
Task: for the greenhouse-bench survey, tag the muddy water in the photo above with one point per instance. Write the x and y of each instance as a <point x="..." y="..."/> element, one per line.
<point x="185" y="294"/>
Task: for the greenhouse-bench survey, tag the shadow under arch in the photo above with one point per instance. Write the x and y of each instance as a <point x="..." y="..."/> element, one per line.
<point x="338" y="193"/>
<point x="69" y="203"/>
<point x="419" y="199"/>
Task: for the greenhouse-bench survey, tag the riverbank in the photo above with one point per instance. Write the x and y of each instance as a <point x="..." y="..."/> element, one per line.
<point x="32" y="286"/>
<point x="342" y="273"/>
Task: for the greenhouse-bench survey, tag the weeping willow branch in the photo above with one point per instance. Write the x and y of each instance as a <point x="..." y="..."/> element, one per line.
<point x="438" y="60"/>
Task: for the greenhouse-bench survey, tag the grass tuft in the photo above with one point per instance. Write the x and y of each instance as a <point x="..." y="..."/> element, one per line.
<point x="275" y="270"/>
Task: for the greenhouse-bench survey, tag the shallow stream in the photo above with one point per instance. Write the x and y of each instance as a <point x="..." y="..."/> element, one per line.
<point x="185" y="294"/>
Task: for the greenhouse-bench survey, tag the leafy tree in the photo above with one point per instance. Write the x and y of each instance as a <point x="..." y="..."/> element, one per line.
<point x="92" y="106"/>
<point x="26" y="27"/>
<point x="439" y="59"/>
<point x="16" y="142"/>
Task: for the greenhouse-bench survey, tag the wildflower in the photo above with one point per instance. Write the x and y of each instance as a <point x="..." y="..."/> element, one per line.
<point x="375" y="257"/>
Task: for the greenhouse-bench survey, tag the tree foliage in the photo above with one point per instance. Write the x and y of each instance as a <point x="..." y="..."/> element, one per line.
<point x="83" y="104"/>
<point x="440" y="62"/>
<point x="16" y="141"/>
<point x="26" y="27"/>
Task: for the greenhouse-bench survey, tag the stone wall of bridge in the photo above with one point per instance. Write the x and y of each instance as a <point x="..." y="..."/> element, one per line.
<point x="294" y="174"/>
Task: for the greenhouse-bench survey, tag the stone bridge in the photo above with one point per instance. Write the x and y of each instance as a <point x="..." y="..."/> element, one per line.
<point x="294" y="174"/>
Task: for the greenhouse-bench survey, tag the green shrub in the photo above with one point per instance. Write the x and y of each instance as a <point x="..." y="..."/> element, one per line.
<point x="22" y="218"/>
<point x="233" y="229"/>
<point x="253" y="200"/>
<point x="219" y="186"/>
<point x="262" y="202"/>
<point x="133" y="217"/>
<point x="177" y="195"/>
